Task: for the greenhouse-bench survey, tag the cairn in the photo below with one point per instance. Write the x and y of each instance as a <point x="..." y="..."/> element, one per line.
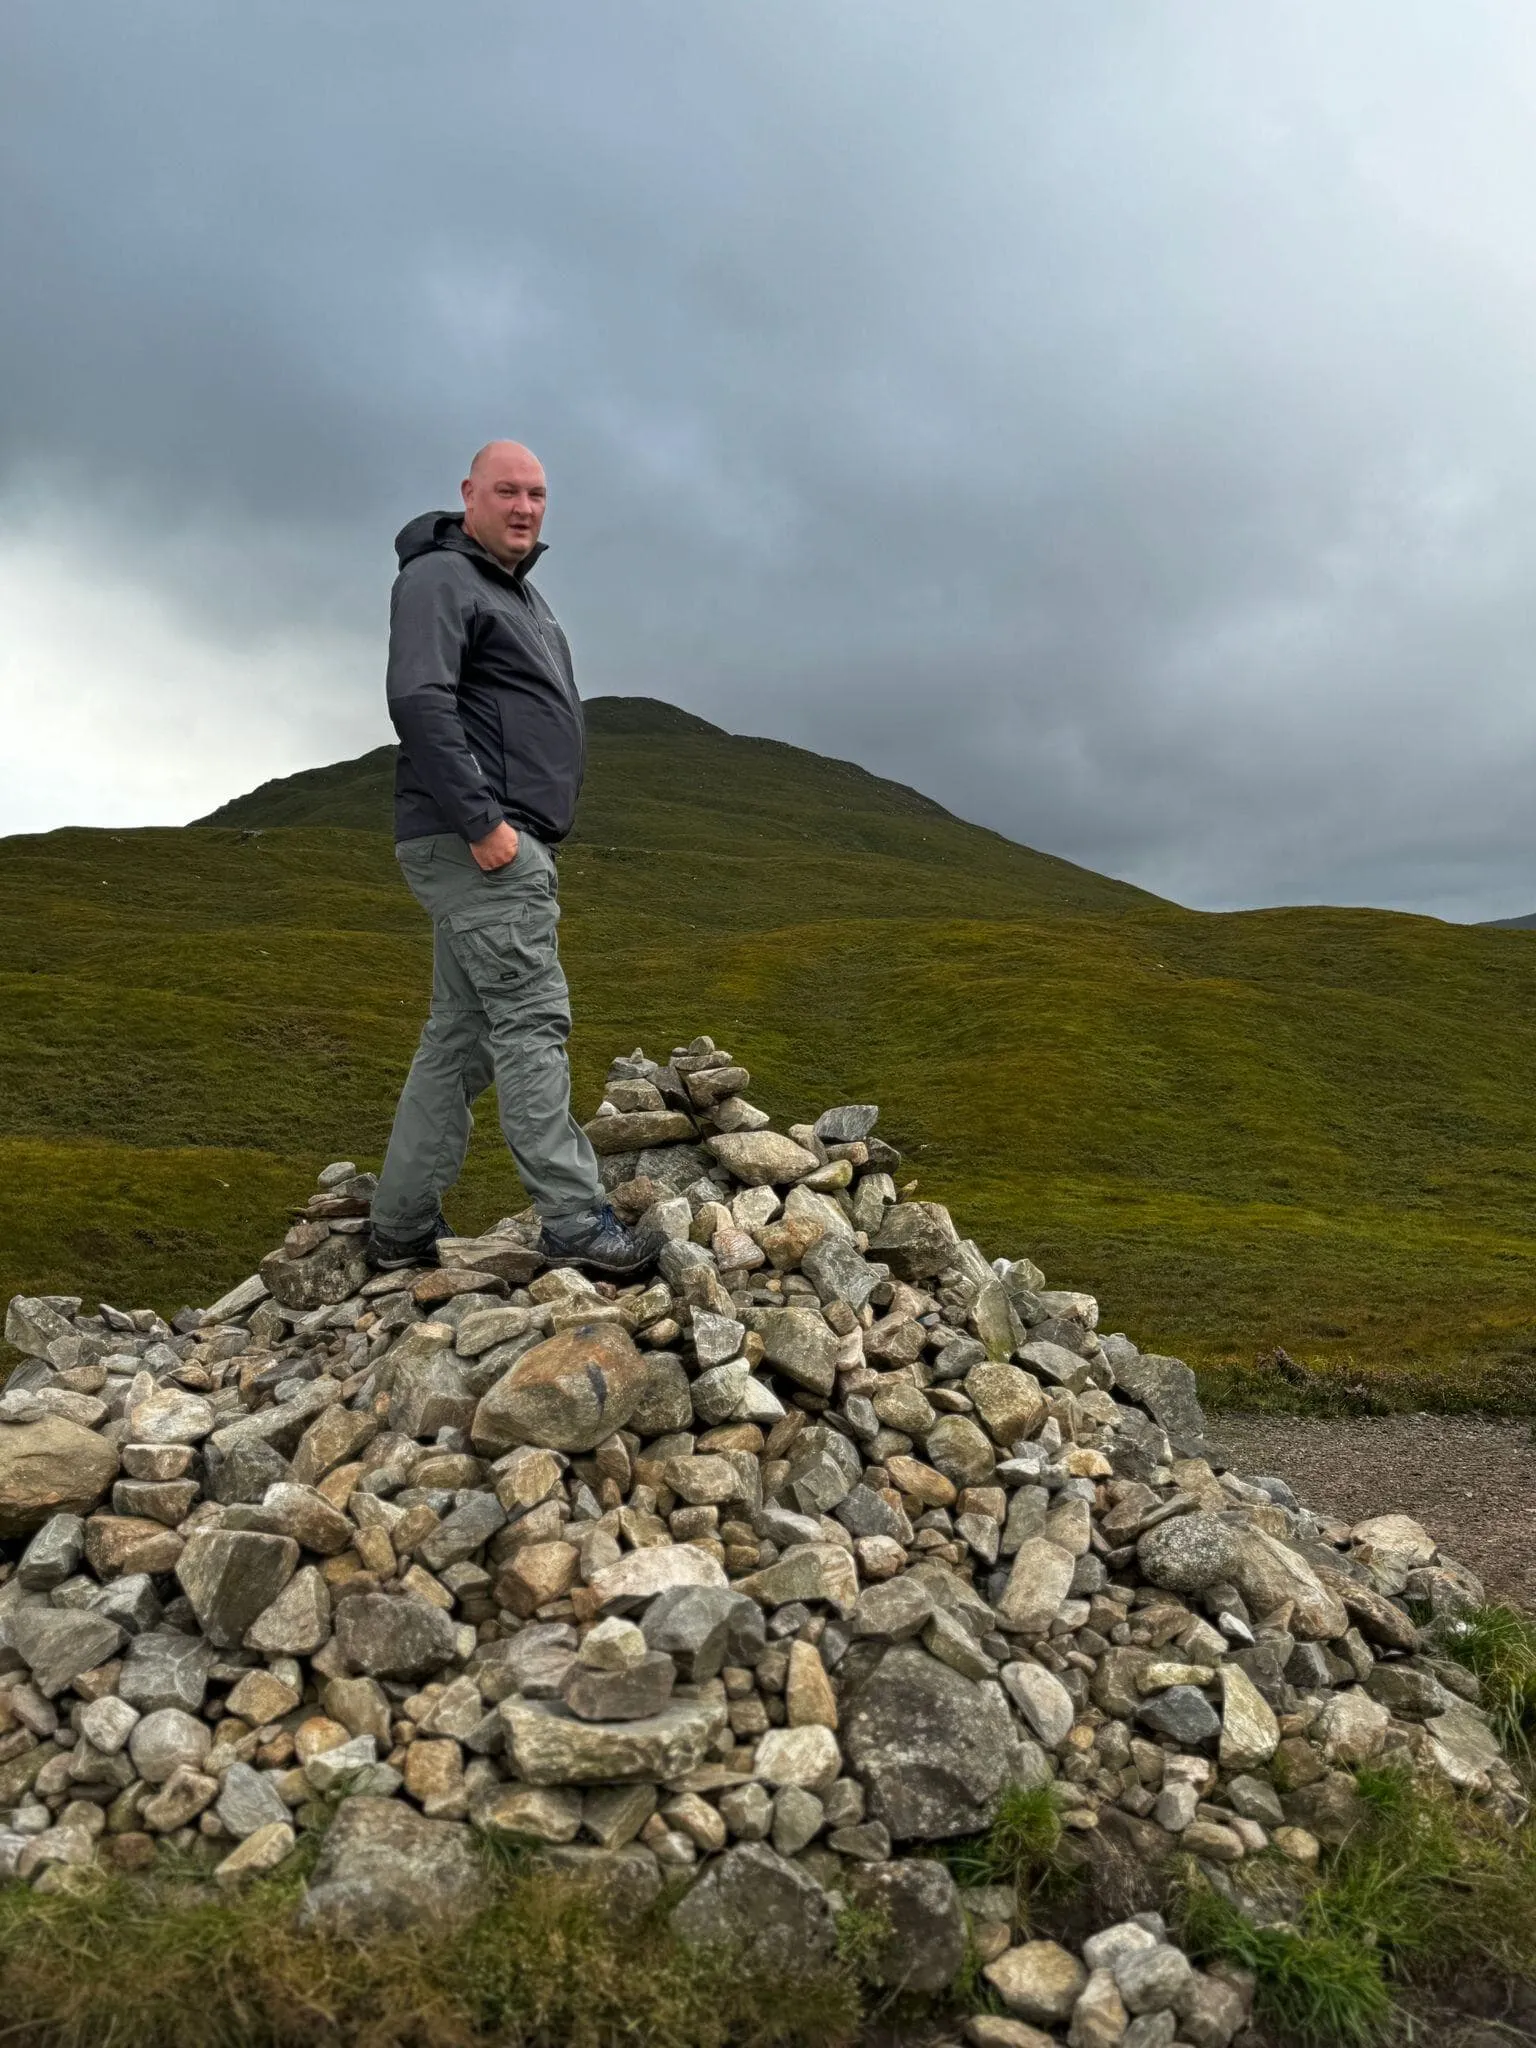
<point x="770" y="1570"/>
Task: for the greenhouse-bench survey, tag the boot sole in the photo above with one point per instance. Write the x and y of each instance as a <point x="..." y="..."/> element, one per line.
<point x="568" y="1261"/>
<point x="404" y="1262"/>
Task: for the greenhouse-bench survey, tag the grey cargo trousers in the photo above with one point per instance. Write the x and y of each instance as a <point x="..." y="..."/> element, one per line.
<point x="500" y="1010"/>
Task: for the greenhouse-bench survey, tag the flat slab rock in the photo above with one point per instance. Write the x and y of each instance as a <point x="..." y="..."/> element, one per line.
<point x="549" y="1746"/>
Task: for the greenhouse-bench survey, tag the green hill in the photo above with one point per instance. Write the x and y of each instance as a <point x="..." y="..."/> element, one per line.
<point x="1308" y="1128"/>
<point x="661" y="780"/>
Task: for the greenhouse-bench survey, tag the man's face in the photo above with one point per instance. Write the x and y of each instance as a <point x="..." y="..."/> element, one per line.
<point x="504" y="498"/>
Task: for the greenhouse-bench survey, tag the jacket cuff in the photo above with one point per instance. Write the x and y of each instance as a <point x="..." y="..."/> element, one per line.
<point x="481" y="822"/>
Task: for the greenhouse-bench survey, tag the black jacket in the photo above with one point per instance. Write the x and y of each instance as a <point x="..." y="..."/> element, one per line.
<point x="480" y="690"/>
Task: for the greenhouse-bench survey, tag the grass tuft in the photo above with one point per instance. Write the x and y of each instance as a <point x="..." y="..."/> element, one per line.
<point x="1315" y="1989"/>
<point x="1429" y="1891"/>
<point x="1499" y="1645"/>
<point x="1018" y="1849"/>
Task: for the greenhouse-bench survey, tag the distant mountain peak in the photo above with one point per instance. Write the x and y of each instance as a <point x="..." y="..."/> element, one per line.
<point x="644" y="715"/>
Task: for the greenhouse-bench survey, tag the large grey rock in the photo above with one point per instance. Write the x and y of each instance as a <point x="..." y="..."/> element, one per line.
<point x="893" y="1610"/>
<point x="806" y="1571"/>
<point x="1039" y="1980"/>
<point x="385" y="1637"/>
<point x="231" y="1307"/>
<point x="325" y="1276"/>
<point x="54" y="1552"/>
<point x="961" y="1451"/>
<point x="130" y="1601"/>
<point x="37" y="1328"/>
<point x="548" y="1746"/>
<point x="244" y="1472"/>
<point x="630" y="1131"/>
<point x="799" y="1344"/>
<point x="462" y="1532"/>
<point x="762" y="1158"/>
<point x="635" y="1693"/>
<point x="298" y="1621"/>
<point x="383" y="1868"/>
<point x="933" y="1748"/>
<point x="1042" y="1699"/>
<point x="170" y="1415"/>
<point x="56" y="1643"/>
<point x="1269" y="1573"/>
<point x="300" y="1512"/>
<point x="165" y="1742"/>
<point x="50" y="1466"/>
<point x="704" y="1628"/>
<point x="230" y="1576"/>
<point x="847" y="1123"/>
<point x="1250" y="1734"/>
<point x="1038" y="1582"/>
<point x="430" y="1394"/>
<point x="838" y="1272"/>
<point x="1008" y="1400"/>
<point x="1184" y="1715"/>
<point x="916" y="1240"/>
<point x="1189" y="1553"/>
<point x="1411" y="1695"/>
<point x="666" y="1400"/>
<point x="1463" y="1746"/>
<point x="566" y="1394"/>
<point x="534" y="1662"/>
<point x="772" y="1911"/>
<point x="248" y="1801"/>
<point x="166" y="1670"/>
<point x="1165" y="1387"/>
<point x="280" y="1427"/>
<point x="1055" y="1363"/>
<point x="641" y="1574"/>
<point x="923" y="1946"/>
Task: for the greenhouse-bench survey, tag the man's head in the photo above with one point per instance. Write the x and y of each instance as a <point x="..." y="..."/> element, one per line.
<point x="504" y="500"/>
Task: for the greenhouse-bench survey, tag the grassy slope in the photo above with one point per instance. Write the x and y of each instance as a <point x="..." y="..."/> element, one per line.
<point x="1298" y="1127"/>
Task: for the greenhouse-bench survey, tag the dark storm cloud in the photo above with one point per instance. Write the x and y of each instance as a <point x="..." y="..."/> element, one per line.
<point x="1116" y="422"/>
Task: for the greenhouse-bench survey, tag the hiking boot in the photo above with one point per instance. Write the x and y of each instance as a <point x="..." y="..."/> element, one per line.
<point x="598" y="1241"/>
<point x="389" y="1254"/>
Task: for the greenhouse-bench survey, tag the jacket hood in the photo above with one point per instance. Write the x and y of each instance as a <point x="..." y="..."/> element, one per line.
<point x="437" y="532"/>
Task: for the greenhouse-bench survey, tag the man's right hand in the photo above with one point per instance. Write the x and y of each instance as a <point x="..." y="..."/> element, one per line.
<point x="498" y="849"/>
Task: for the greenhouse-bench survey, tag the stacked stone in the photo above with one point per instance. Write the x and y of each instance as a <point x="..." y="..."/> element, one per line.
<point x="775" y="1567"/>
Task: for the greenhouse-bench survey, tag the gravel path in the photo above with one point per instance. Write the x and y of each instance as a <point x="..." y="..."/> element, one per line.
<point x="1471" y="1482"/>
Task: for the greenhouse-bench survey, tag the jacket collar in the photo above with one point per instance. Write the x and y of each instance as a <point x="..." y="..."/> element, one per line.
<point x="466" y="543"/>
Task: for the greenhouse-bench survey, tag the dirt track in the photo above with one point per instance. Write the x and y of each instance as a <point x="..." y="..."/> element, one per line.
<point x="1471" y="1482"/>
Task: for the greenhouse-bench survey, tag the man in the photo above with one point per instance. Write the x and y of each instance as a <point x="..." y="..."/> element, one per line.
<point x="492" y="753"/>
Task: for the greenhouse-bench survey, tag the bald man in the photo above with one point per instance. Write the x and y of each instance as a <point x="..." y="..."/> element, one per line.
<point x="492" y="752"/>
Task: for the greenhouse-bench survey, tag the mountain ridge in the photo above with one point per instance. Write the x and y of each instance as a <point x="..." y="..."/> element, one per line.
<point x="717" y="790"/>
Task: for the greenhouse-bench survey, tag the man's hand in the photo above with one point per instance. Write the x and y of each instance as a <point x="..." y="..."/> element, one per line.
<point x="497" y="849"/>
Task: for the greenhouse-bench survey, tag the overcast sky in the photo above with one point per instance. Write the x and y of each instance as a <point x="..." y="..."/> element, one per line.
<point x="1118" y="421"/>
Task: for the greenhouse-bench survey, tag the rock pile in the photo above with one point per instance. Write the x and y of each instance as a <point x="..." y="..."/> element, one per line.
<point x="773" y="1569"/>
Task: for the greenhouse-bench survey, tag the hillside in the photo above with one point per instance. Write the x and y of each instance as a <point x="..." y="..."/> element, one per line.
<point x="659" y="778"/>
<point x="1306" y="1128"/>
